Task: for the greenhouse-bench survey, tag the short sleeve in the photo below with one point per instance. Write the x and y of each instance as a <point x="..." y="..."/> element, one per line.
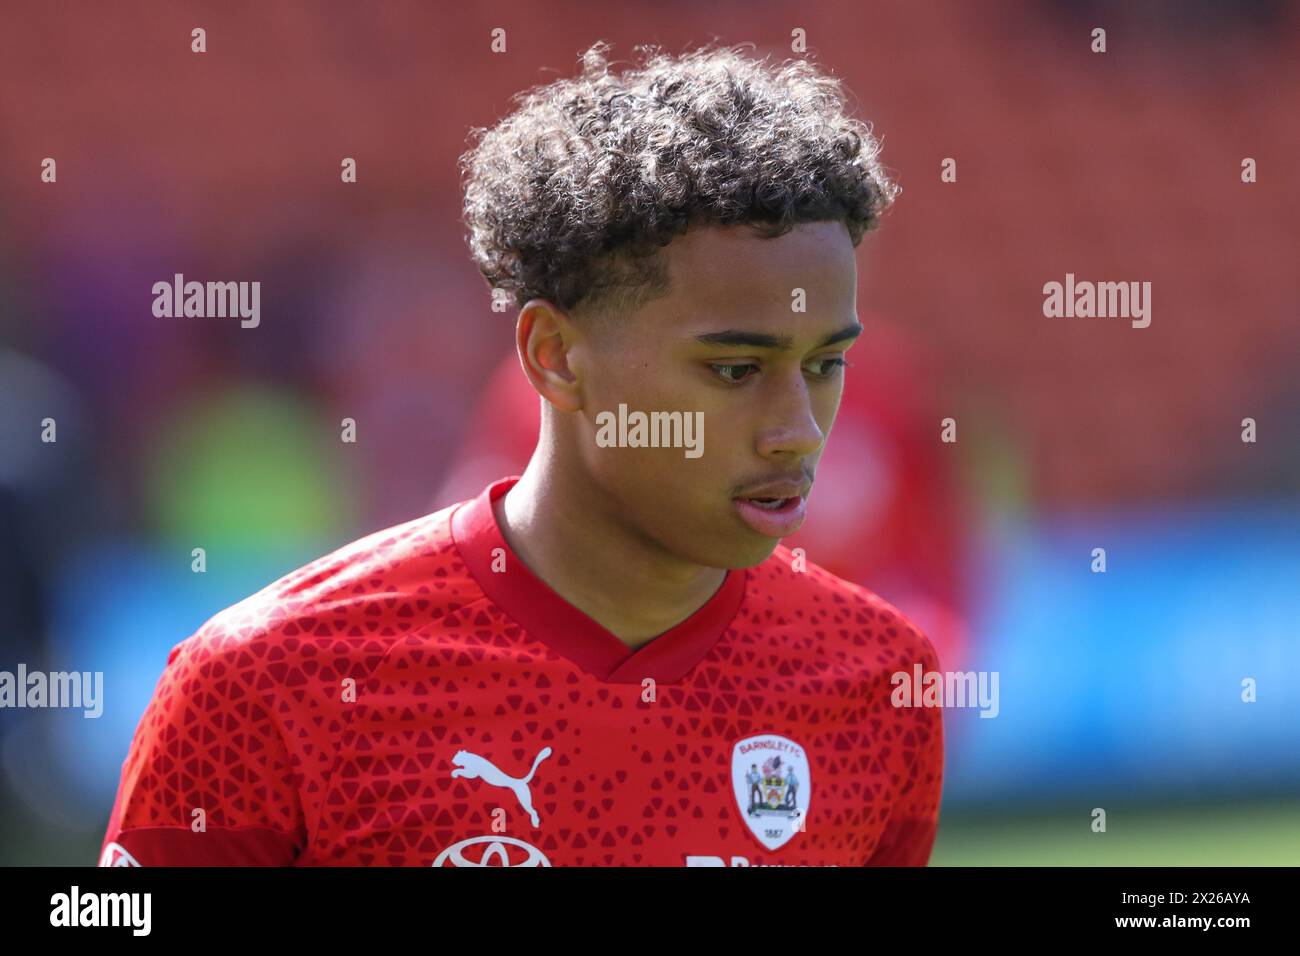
<point x="207" y="780"/>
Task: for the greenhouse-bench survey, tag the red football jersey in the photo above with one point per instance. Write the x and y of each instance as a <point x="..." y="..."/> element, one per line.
<point x="419" y="697"/>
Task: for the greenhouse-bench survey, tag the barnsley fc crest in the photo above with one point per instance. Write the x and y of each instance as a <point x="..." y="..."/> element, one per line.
<point x="773" y="786"/>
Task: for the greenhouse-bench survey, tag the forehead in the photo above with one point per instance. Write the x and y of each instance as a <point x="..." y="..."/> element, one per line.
<point x="726" y="275"/>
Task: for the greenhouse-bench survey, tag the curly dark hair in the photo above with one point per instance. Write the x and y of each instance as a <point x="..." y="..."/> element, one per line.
<point x="570" y="196"/>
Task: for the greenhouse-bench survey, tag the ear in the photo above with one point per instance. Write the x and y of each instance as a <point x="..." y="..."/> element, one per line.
<point x="544" y="338"/>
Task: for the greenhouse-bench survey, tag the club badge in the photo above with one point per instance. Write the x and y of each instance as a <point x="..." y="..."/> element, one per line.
<point x="773" y="787"/>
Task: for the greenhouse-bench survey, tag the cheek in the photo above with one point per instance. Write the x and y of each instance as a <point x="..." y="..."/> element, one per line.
<point x="662" y="485"/>
<point x="623" y="380"/>
<point x="644" y="384"/>
<point x="826" y="406"/>
<point x="621" y="361"/>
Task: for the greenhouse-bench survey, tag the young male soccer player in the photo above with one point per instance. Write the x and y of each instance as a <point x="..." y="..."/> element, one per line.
<point x="608" y="660"/>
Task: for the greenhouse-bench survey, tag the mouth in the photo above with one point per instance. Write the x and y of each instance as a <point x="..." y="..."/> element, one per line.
<point x="775" y="517"/>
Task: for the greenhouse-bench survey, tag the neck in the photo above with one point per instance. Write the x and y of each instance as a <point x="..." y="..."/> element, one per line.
<point x="571" y="536"/>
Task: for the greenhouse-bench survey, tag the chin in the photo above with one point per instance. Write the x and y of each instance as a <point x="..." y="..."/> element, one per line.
<point x="757" y="555"/>
<point x="742" y="554"/>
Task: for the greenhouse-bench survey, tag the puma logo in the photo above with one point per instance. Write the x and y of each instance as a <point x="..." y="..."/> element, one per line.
<point x="472" y="766"/>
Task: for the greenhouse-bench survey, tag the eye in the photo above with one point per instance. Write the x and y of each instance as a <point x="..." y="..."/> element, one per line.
<point x="826" y="367"/>
<point x="734" y="374"/>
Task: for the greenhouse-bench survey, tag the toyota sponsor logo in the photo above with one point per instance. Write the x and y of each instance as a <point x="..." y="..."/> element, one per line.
<point x="491" y="851"/>
<point x="117" y="855"/>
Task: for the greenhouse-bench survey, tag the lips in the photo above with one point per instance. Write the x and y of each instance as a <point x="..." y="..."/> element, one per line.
<point x="776" y="509"/>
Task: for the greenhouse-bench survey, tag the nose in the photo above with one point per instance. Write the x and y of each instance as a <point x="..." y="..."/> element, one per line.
<point x="791" y="432"/>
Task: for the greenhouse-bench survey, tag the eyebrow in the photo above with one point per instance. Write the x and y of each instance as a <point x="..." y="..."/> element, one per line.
<point x="782" y="343"/>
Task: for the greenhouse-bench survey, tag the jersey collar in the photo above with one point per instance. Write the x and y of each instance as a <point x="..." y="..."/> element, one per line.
<point x="568" y="631"/>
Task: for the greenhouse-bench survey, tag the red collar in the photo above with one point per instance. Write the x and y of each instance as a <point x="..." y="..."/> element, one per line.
<point x="571" y="633"/>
